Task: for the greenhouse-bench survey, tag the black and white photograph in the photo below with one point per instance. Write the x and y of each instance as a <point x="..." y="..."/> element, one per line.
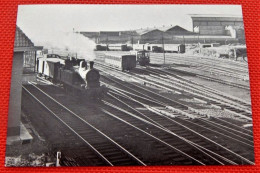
<point x="129" y="85"/>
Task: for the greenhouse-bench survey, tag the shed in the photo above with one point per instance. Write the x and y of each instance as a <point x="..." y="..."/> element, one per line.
<point x="23" y="47"/>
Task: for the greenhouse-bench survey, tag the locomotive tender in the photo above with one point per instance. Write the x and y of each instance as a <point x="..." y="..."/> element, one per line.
<point x="69" y="74"/>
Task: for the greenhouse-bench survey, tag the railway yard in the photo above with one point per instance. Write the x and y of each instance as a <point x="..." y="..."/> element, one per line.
<point x="186" y="110"/>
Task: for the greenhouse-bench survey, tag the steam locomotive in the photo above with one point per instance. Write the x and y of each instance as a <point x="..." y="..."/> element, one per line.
<point x="76" y="77"/>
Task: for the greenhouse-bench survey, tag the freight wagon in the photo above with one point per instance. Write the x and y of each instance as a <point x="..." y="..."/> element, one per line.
<point x="47" y="67"/>
<point x="171" y="48"/>
<point x="101" y="47"/>
<point x="174" y="48"/>
<point x="122" y="62"/>
<point x="118" y="47"/>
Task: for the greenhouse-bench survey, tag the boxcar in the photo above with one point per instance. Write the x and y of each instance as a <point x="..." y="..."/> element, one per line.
<point x="122" y="62"/>
<point x="117" y="47"/>
<point x="48" y="67"/>
<point x="177" y="48"/>
<point x="101" y="47"/>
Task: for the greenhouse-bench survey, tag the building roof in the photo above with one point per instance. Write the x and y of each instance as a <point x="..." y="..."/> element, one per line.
<point x="141" y="31"/>
<point x="21" y="40"/>
<point x="216" y="17"/>
<point x="163" y="29"/>
<point x="173" y="28"/>
<point x="23" y="43"/>
<point x="89" y="34"/>
<point x="110" y="33"/>
<point x="147" y="30"/>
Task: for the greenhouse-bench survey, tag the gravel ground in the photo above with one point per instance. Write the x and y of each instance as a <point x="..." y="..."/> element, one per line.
<point x="35" y="153"/>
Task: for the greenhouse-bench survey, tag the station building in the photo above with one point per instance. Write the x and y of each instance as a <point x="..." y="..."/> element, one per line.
<point x="23" y="67"/>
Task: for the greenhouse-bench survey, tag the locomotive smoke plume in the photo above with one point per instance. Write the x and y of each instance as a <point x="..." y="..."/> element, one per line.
<point x="71" y="43"/>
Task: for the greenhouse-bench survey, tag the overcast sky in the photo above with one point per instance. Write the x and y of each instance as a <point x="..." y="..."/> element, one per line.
<point x="39" y="21"/>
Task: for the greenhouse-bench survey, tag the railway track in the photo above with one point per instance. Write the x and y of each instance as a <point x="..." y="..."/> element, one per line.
<point x="209" y="78"/>
<point x="107" y="150"/>
<point x="172" y="145"/>
<point x="182" y="81"/>
<point x="240" y="74"/>
<point x="213" y="97"/>
<point x="141" y="96"/>
<point x="191" y="131"/>
<point x="233" y="105"/>
<point x="176" y="156"/>
<point x="172" y="129"/>
<point x="247" y="141"/>
<point x="207" y="63"/>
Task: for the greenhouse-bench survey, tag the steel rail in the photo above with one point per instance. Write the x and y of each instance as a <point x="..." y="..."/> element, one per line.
<point x="199" y="88"/>
<point x="182" y="138"/>
<point x="165" y="105"/>
<point x="93" y="148"/>
<point x="200" y="148"/>
<point x="112" y="115"/>
<point x="118" y="145"/>
<point x="243" y="116"/>
<point x="201" y="136"/>
<point x="241" y="157"/>
<point x="207" y="97"/>
<point x="183" y="119"/>
<point x="203" y="64"/>
<point x="216" y="124"/>
<point x="242" y="128"/>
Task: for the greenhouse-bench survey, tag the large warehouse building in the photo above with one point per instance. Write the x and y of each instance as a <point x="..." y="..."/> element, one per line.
<point x="143" y="35"/>
<point x="207" y="28"/>
<point x="228" y="27"/>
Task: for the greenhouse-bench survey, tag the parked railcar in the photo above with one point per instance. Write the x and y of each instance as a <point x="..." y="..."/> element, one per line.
<point x="48" y="67"/>
<point x="122" y="62"/>
<point x="118" y="47"/>
<point x="101" y="47"/>
<point x="157" y="49"/>
<point x="174" y="48"/>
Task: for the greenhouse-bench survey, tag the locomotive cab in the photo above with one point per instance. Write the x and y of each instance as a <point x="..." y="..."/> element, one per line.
<point x="143" y="57"/>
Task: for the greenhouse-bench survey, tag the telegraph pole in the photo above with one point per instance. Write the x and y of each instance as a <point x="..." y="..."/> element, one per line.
<point x="107" y="42"/>
<point x="163" y="49"/>
<point x="132" y="41"/>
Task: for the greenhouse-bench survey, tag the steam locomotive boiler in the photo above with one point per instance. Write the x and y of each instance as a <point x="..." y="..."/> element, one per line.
<point x="78" y="80"/>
